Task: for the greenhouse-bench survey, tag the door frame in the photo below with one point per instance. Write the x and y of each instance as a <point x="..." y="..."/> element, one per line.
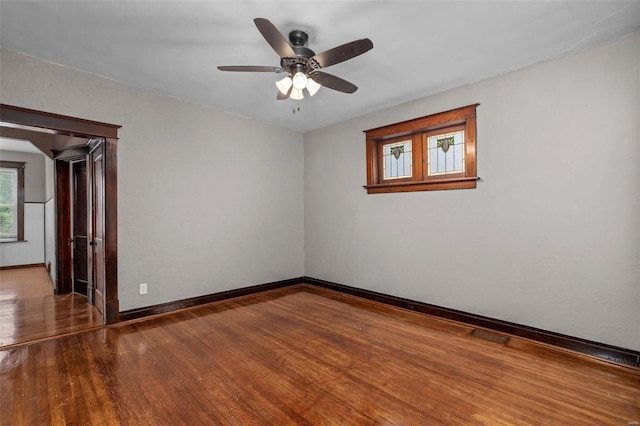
<point x="78" y="127"/>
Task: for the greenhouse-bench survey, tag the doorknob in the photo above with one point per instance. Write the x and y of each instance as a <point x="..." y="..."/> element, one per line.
<point x="70" y="241"/>
<point x="93" y="243"/>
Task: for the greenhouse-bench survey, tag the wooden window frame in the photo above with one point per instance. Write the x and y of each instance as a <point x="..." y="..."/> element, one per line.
<point x="19" y="166"/>
<point x="418" y="130"/>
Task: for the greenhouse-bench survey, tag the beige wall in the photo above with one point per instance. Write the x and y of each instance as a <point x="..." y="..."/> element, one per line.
<point x="49" y="178"/>
<point x="207" y="201"/>
<point x="550" y="238"/>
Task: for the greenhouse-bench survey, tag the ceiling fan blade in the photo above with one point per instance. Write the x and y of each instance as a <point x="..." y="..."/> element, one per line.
<point x="343" y="52"/>
<point x="250" y="68"/>
<point x="333" y="82"/>
<point x="275" y="39"/>
<point x="282" y="97"/>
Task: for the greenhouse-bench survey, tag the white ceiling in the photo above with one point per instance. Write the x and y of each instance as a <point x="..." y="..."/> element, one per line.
<point x="18" y="145"/>
<point x="420" y="48"/>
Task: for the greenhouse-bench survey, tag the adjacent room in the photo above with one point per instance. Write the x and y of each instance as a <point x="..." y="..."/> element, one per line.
<point x="349" y="212"/>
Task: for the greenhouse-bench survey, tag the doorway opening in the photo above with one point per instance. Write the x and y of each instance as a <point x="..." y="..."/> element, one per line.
<point x="85" y="200"/>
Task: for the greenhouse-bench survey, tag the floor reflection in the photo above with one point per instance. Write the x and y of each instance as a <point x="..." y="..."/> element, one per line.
<point x="30" y="311"/>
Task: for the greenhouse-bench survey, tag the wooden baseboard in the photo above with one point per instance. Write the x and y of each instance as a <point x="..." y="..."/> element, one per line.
<point x="30" y="265"/>
<point x="588" y="347"/>
<point x="201" y="300"/>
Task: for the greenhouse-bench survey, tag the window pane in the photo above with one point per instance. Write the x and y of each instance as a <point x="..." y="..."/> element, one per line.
<point x="8" y="203"/>
<point x="446" y="153"/>
<point x="8" y="186"/>
<point x="8" y="223"/>
<point x="397" y="160"/>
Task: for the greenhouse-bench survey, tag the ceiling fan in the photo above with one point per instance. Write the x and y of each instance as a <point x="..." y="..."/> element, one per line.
<point x="301" y="64"/>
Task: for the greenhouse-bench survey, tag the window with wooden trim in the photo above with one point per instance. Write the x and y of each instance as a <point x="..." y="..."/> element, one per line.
<point x="424" y="154"/>
<point x="11" y="201"/>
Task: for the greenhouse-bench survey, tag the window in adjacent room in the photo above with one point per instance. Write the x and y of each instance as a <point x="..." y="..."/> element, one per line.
<point x="428" y="153"/>
<point x="11" y="201"/>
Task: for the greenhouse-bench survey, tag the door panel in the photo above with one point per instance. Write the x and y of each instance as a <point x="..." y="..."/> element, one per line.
<point x="97" y="243"/>
<point x="80" y="227"/>
<point x="63" y="227"/>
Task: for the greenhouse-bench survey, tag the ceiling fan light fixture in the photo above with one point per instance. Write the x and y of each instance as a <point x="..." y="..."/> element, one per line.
<point x="300" y="80"/>
<point x="296" y="93"/>
<point x="284" y="85"/>
<point x="299" y="63"/>
<point x="312" y="86"/>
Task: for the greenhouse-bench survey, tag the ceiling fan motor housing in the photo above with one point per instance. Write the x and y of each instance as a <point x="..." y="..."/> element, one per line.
<point x="301" y="62"/>
<point x="298" y="38"/>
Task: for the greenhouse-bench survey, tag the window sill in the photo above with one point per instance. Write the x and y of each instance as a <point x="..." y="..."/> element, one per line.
<point x="13" y="241"/>
<point x="432" y="185"/>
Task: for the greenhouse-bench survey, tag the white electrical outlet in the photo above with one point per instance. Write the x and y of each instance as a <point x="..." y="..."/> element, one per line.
<point x="143" y="288"/>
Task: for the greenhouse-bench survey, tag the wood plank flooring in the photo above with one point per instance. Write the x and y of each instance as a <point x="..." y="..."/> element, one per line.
<point x="305" y="355"/>
<point x="30" y="311"/>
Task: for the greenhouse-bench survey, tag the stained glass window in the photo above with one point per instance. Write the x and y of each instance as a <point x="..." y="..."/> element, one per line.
<point x="445" y="153"/>
<point x="429" y="153"/>
<point x="396" y="160"/>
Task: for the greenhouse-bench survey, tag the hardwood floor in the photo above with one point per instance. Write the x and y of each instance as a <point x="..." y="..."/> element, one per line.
<point x="305" y="355"/>
<point x="30" y="311"/>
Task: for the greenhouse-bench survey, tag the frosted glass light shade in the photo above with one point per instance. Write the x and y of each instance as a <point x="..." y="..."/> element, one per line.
<point x="296" y="94"/>
<point x="300" y="80"/>
<point x="284" y="85"/>
<point x="312" y="87"/>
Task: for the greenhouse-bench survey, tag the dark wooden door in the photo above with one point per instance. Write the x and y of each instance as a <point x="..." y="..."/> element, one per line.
<point x="80" y="227"/>
<point x="63" y="227"/>
<point x="97" y="227"/>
